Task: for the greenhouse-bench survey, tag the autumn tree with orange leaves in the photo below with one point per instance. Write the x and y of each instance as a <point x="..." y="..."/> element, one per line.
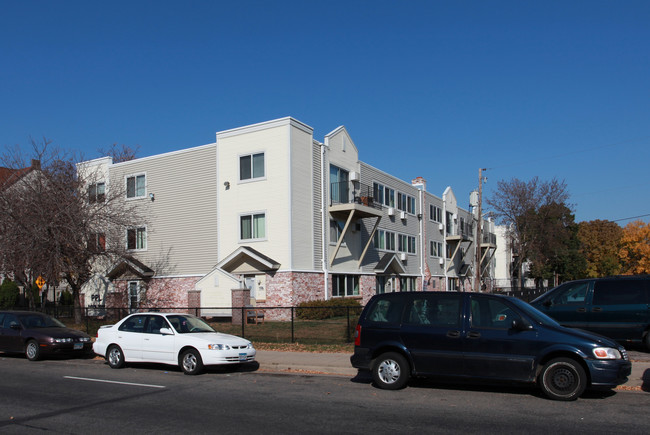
<point x="600" y="242"/>
<point x="635" y="248"/>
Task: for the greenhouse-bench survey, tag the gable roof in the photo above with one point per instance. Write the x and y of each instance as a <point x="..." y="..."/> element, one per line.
<point x="246" y="254"/>
<point x="390" y="261"/>
<point x="130" y="264"/>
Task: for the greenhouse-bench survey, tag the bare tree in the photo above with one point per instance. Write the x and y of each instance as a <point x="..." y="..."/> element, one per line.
<point x="518" y="204"/>
<point x="57" y="222"/>
<point x="120" y="153"/>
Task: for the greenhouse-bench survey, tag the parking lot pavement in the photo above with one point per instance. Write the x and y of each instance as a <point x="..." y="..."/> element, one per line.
<point x="339" y="364"/>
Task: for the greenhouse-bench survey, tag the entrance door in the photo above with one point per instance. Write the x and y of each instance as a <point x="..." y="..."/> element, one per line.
<point x="249" y="282"/>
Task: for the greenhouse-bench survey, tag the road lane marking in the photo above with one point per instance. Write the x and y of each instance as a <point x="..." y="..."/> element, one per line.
<point x="114" y="382"/>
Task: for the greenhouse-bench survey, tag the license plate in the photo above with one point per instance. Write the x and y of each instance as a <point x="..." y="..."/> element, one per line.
<point x="242" y="357"/>
<point x="78" y="346"/>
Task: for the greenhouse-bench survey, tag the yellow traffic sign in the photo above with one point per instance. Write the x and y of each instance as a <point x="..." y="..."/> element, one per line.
<point x="40" y="282"/>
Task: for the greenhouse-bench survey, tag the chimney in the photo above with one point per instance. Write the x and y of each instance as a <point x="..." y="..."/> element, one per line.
<point x="36" y="164"/>
<point x="420" y="183"/>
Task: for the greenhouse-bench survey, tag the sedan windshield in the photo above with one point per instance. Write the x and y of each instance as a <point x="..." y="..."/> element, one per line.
<point x="31" y="321"/>
<point x="184" y="324"/>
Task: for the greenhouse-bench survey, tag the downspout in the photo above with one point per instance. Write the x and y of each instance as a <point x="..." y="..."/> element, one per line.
<point x="422" y="240"/>
<point x="444" y="236"/>
<point x="325" y="221"/>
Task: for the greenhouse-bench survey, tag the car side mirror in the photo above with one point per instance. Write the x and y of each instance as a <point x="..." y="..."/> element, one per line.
<point x="520" y="325"/>
<point x="166" y="331"/>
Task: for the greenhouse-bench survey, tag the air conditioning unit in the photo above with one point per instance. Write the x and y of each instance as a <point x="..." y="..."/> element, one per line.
<point x="455" y="217"/>
<point x="442" y="261"/>
<point x="402" y="256"/>
<point x="402" y="215"/>
<point x="391" y="211"/>
<point x="441" y="227"/>
<point x="354" y="176"/>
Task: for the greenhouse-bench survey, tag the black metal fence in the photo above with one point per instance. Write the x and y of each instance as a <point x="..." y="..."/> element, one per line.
<point x="307" y="325"/>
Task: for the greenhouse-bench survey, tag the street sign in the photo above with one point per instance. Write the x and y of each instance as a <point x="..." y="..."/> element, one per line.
<point x="40" y="282"/>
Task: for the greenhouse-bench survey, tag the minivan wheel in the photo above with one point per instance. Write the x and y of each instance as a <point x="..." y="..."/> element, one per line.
<point x="391" y="371"/>
<point x="563" y="379"/>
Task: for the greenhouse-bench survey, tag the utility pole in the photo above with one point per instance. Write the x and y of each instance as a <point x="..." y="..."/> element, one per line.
<point x="479" y="235"/>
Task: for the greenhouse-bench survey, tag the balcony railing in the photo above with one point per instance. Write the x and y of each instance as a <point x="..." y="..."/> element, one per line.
<point x="352" y="192"/>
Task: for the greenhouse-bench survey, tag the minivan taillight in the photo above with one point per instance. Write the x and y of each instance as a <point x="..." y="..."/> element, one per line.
<point x="357" y="335"/>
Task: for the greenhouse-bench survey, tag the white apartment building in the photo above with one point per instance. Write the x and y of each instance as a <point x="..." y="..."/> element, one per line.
<point x="292" y="218"/>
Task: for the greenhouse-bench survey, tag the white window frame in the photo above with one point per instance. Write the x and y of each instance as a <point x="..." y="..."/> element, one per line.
<point x="435" y="213"/>
<point x="408" y="203"/>
<point x="135" y="186"/>
<point x="252" y="178"/>
<point x="389" y="236"/>
<point x="406" y="243"/>
<point x="93" y="196"/>
<point x="146" y="236"/>
<point x="351" y="285"/>
<point x="438" y="249"/>
<point x="252" y="216"/>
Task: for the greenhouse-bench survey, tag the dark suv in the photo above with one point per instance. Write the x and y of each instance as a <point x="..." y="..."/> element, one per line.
<point x="482" y="336"/>
<point x="617" y="307"/>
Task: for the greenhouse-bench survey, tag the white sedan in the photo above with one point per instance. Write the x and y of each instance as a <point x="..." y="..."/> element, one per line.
<point x="170" y="338"/>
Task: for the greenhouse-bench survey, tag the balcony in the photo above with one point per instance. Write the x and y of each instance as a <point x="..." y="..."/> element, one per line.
<point x="352" y="195"/>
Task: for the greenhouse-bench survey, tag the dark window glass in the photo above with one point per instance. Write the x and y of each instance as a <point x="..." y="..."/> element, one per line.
<point x="623" y="292"/>
<point x="386" y="311"/>
<point x="491" y="313"/>
<point x="133" y="324"/>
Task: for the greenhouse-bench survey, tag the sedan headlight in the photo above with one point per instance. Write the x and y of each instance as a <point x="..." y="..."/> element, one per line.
<point x="606" y="353"/>
<point x="62" y="340"/>
<point x="218" y="347"/>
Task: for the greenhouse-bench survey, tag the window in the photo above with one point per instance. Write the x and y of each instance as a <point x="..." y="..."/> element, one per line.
<point x="251" y="166"/>
<point x="491" y="313"/>
<point x="135" y="323"/>
<point x="408" y="284"/>
<point x="386" y="284"/>
<point x="434" y="310"/>
<point x="435" y="213"/>
<point x="97" y="242"/>
<point x="345" y="285"/>
<point x="252" y="226"/>
<point x="339" y="184"/>
<point x="435" y="248"/>
<point x="336" y="229"/>
<point x="619" y="292"/>
<point x="406" y="202"/>
<point x="134" y="300"/>
<point x="571" y="293"/>
<point x="386" y="311"/>
<point x="135" y="186"/>
<point x="406" y="243"/>
<point x="136" y="238"/>
<point x="383" y="195"/>
<point x="96" y="192"/>
<point x="384" y="240"/>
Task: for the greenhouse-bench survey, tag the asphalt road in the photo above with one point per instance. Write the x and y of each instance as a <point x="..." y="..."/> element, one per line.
<point x="86" y="396"/>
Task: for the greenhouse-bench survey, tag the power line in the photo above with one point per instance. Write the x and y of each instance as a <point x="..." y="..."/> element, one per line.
<point x="630" y="218"/>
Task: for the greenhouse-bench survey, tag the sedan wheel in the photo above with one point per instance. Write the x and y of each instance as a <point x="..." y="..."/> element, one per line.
<point x="32" y="351"/>
<point x="115" y="357"/>
<point x="563" y="379"/>
<point x="191" y="362"/>
<point x="390" y="371"/>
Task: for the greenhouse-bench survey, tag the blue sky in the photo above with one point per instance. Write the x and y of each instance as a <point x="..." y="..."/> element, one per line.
<point x="426" y="88"/>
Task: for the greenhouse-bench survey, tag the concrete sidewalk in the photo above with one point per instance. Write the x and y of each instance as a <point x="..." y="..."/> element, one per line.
<point x="339" y="364"/>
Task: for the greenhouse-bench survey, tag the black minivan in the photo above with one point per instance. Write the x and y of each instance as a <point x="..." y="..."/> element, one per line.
<point x="616" y="307"/>
<point x="482" y="336"/>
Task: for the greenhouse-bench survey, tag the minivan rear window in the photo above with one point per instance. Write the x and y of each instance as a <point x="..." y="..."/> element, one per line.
<point x="619" y="292"/>
<point x="386" y="311"/>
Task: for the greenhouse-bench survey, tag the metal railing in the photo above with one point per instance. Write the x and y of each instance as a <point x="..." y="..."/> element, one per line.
<point x="353" y="192"/>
